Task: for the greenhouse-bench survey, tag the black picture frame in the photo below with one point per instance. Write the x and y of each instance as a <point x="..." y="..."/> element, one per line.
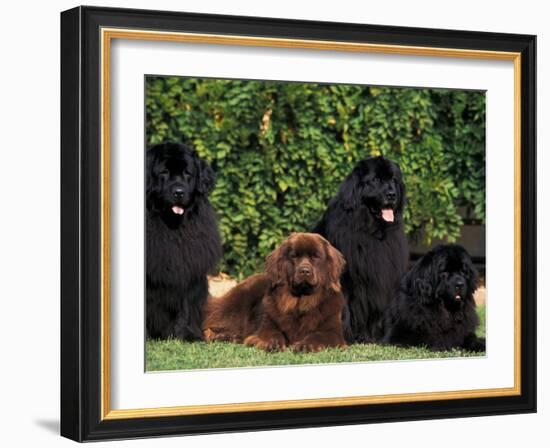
<point x="81" y="208"/>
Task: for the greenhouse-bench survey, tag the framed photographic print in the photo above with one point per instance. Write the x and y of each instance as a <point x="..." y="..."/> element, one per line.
<point x="276" y="224"/>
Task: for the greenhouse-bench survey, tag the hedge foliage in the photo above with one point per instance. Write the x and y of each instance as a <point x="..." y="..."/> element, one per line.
<point x="280" y="150"/>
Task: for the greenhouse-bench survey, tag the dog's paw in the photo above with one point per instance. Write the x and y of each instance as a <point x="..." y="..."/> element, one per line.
<point x="307" y="347"/>
<point x="211" y="335"/>
<point x="272" y="344"/>
<point x="477" y="345"/>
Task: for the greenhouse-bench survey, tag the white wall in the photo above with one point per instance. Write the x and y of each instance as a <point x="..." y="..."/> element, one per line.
<point x="29" y="234"/>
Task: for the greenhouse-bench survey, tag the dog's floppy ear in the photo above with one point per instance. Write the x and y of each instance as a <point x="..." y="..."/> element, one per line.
<point x="349" y="192"/>
<point x="423" y="290"/>
<point x="151" y="186"/>
<point x="151" y="158"/>
<point x="473" y="275"/>
<point x="275" y="264"/>
<point x="420" y="282"/>
<point x="336" y="264"/>
<point x="206" y="177"/>
<point x="402" y="194"/>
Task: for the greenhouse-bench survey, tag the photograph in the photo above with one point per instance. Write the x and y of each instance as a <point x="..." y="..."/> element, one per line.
<point x="312" y="223"/>
<point x="275" y="224"/>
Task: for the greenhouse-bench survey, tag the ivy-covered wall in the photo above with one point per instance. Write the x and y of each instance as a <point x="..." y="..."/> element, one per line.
<point x="281" y="149"/>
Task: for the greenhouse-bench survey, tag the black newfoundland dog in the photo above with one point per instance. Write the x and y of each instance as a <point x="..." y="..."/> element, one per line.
<point x="183" y="243"/>
<point x="435" y="306"/>
<point x="364" y="221"/>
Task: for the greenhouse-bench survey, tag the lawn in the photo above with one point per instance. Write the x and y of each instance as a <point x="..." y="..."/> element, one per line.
<point x="176" y="355"/>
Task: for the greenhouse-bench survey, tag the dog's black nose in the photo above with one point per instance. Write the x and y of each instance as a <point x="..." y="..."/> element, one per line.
<point x="390" y="195"/>
<point x="304" y="270"/>
<point x="178" y="193"/>
<point x="459" y="285"/>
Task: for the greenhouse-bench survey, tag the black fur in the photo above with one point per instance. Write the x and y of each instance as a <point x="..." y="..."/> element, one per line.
<point x="435" y="306"/>
<point x="375" y="250"/>
<point x="183" y="242"/>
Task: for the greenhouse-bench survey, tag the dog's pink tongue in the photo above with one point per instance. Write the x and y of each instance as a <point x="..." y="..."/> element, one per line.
<point x="387" y="214"/>
<point x="178" y="210"/>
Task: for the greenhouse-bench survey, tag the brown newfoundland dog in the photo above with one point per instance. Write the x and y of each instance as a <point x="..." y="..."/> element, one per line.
<point x="296" y="303"/>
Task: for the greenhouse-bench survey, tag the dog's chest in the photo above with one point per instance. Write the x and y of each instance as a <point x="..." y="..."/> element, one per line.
<point x="370" y="256"/>
<point x="297" y="324"/>
<point x="177" y="255"/>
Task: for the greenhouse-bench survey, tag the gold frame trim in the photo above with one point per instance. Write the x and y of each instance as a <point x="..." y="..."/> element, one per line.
<point x="107" y="35"/>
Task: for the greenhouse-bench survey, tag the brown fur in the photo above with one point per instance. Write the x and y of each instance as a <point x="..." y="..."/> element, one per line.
<point x="297" y="303"/>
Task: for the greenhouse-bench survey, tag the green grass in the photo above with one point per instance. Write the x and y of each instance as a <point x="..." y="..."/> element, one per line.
<point x="173" y="354"/>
